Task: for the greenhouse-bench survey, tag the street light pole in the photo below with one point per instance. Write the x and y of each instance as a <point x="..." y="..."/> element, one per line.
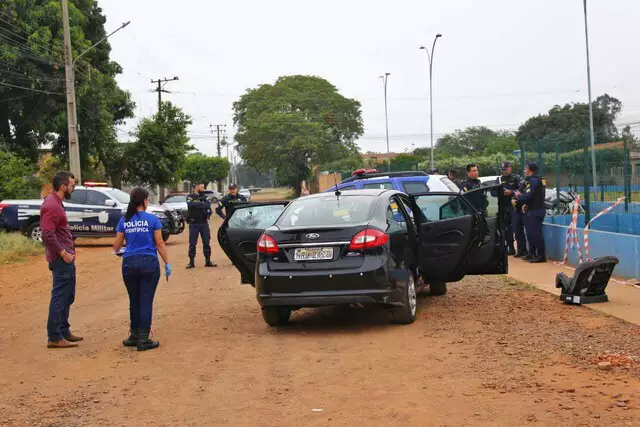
<point x="384" y="78"/>
<point x="591" y="130"/>
<point x="430" y="56"/>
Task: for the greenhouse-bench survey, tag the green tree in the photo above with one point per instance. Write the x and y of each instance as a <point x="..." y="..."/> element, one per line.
<point x="32" y="100"/>
<point x="297" y="122"/>
<point x="159" y="154"/>
<point x="569" y="125"/>
<point x="17" y="178"/>
<point x="477" y="140"/>
<point x="405" y="162"/>
<point x="205" y="169"/>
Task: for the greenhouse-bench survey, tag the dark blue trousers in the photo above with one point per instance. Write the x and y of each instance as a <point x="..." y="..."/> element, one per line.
<point x="533" y="228"/>
<point x="196" y="230"/>
<point x="141" y="274"/>
<point x="63" y="294"/>
<point x="517" y="226"/>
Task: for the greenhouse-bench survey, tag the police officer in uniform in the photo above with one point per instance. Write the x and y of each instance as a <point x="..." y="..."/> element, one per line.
<point x="533" y="208"/>
<point x="229" y="200"/>
<point x="479" y="199"/>
<point x="509" y="184"/>
<point x="198" y="218"/>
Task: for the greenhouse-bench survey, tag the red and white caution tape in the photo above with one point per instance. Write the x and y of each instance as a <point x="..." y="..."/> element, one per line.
<point x="586" y="229"/>
<point x="571" y="238"/>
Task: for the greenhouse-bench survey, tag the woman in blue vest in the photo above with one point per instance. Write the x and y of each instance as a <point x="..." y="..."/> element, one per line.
<point x="140" y="266"/>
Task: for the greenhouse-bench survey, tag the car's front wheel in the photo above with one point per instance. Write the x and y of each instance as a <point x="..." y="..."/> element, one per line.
<point x="34" y="232"/>
<point x="276" y="316"/>
<point x="438" y="288"/>
<point x="406" y="313"/>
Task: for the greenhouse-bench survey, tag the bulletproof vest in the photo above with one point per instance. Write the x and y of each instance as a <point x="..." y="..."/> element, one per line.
<point x="510" y="182"/>
<point x="537" y="199"/>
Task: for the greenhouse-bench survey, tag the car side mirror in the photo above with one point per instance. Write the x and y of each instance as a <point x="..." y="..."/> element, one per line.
<point x="109" y="202"/>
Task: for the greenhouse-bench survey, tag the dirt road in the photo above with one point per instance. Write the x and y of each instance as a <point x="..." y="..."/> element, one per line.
<point x="487" y="353"/>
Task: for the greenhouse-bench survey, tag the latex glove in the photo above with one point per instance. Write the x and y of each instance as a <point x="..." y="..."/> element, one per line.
<point x="167" y="270"/>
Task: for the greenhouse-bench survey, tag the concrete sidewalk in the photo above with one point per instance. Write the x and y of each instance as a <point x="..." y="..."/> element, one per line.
<point x="624" y="298"/>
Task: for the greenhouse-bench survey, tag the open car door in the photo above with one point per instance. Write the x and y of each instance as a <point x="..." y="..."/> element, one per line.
<point x="238" y="235"/>
<point x="458" y="235"/>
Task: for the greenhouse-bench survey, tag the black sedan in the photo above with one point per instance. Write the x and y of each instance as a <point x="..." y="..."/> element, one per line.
<point x="364" y="246"/>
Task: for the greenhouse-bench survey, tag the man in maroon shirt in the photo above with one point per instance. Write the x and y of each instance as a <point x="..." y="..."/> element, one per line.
<point x="60" y="253"/>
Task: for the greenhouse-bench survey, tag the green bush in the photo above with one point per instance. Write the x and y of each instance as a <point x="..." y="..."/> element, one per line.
<point x="17" y="178"/>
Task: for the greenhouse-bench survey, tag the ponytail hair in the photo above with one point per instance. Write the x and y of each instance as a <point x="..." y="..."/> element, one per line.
<point x="138" y="196"/>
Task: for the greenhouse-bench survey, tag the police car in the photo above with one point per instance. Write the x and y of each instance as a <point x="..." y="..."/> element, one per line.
<point x="93" y="211"/>
<point x="408" y="182"/>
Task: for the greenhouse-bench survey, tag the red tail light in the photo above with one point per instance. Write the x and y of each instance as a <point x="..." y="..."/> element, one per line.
<point x="368" y="239"/>
<point x="2" y="206"/>
<point x="266" y="245"/>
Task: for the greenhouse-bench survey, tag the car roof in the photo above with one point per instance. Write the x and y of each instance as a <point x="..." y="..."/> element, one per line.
<point x="97" y="188"/>
<point x="373" y="192"/>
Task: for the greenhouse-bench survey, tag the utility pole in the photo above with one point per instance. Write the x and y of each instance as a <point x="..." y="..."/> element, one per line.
<point x="384" y="78"/>
<point x="216" y="129"/>
<point x="72" y="119"/>
<point x="160" y="89"/>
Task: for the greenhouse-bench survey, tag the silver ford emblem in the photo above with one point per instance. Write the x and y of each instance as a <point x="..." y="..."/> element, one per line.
<point x="312" y="236"/>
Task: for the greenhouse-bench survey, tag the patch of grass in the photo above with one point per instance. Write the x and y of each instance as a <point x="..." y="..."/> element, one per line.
<point x="14" y="247"/>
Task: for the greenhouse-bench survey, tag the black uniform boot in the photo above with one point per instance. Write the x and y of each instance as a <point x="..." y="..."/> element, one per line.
<point x="191" y="264"/>
<point x="538" y="260"/>
<point x="527" y="257"/>
<point x="144" y="343"/>
<point x="208" y="263"/>
<point x="132" y="341"/>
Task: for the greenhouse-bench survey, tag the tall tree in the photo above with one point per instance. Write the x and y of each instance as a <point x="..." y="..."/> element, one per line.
<point x="32" y="79"/>
<point x="569" y="125"/>
<point x="159" y="154"/>
<point x="478" y="140"/>
<point x="205" y="169"/>
<point x="294" y="123"/>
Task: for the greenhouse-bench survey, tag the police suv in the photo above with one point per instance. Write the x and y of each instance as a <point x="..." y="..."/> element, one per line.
<point x="93" y="211"/>
<point x="408" y="182"/>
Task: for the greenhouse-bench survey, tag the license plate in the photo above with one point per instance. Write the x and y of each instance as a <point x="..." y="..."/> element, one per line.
<point x="313" y="254"/>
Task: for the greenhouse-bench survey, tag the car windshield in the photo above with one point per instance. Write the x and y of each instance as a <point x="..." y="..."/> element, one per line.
<point x="327" y="211"/>
<point x="119" y="195"/>
<point x="178" y="198"/>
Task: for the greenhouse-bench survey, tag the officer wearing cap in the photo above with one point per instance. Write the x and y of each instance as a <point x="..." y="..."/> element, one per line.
<point x="478" y="199"/>
<point x="229" y="200"/>
<point x="509" y="184"/>
<point x="198" y="218"/>
<point x="532" y="200"/>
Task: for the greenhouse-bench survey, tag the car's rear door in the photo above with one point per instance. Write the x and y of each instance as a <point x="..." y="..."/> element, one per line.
<point x="490" y="255"/>
<point x="448" y="231"/>
<point x="238" y="235"/>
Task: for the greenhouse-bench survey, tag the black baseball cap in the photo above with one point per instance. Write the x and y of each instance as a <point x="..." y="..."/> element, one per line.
<point x="532" y="166"/>
<point x="232" y="186"/>
<point x="506" y="165"/>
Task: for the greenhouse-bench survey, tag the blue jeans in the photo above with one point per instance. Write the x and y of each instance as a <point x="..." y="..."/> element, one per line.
<point x="196" y="230"/>
<point x="141" y="274"/>
<point x="63" y="294"/>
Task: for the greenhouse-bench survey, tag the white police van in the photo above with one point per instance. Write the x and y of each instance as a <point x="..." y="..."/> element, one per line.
<point x="93" y="211"/>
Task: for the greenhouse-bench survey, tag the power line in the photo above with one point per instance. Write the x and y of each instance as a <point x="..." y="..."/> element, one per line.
<point x="44" y="49"/>
<point x="25" y="49"/>
<point x="30" y="89"/>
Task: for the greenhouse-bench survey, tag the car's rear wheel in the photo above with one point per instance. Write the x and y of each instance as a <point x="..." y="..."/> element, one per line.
<point x="406" y="313"/>
<point x="276" y="316"/>
<point x="34" y="232"/>
<point x="437" y="288"/>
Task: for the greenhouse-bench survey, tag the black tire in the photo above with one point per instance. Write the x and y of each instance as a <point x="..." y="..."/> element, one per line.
<point x="34" y="232"/>
<point x="165" y="235"/>
<point x="437" y="288"/>
<point x="276" y="316"/>
<point x="406" y="313"/>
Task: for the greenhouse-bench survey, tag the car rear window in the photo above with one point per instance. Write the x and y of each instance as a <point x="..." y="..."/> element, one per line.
<point x="415" y="187"/>
<point x="386" y="185"/>
<point x="328" y="211"/>
<point x="450" y="184"/>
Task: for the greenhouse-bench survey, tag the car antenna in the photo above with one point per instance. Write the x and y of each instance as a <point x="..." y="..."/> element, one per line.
<point x="337" y="192"/>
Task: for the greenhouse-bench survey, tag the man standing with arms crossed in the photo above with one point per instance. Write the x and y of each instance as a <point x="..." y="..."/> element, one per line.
<point x="61" y="255"/>
<point x="229" y="200"/>
<point x="509" y="184"/>
<point x="198" y="219"/>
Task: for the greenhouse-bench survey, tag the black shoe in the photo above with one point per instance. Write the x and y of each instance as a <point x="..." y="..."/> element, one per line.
<point x="521" y="254"/>
<point x="527" y="257"/>
<point x="144" y="343"/>
<point x="191" y="265"/>
<point x="208" y="263"/>
<point x="132" y="341"/>
<point x="511" y="252"/>
<point x="538" y="260"/>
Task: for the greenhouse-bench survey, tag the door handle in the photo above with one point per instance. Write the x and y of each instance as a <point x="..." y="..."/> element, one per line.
<point x="88" y="210"/>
